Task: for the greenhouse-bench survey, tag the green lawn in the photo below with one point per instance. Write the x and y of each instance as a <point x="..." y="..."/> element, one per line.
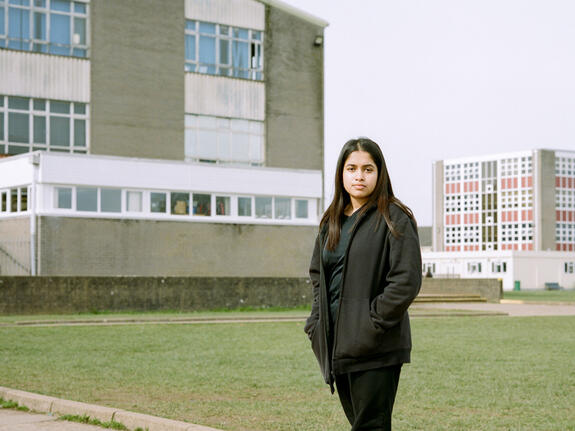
<point x="468" y="373"/>
<point x="567" y="295"/>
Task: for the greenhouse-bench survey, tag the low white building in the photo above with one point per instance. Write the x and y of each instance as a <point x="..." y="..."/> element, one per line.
<point x="517" y="269"/>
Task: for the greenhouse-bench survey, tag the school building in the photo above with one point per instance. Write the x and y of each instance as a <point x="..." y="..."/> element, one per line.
<point x="508" y="216"/>
<point x="180" y="137"/>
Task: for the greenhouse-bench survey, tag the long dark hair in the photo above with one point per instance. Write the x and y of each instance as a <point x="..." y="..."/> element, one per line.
<point x="381" y="197"/>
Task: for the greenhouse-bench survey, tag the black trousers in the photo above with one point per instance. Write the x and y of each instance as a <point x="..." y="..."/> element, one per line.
<point x="367" y="397"/>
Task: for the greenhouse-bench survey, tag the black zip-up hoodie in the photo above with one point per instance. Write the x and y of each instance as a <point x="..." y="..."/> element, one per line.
<point x="381" y="277"/>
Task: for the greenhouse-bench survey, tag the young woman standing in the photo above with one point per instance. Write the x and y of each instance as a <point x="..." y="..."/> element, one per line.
<point x="365" y="271"/>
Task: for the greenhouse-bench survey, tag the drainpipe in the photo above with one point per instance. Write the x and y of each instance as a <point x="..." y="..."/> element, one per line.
<point x="35" y="160"/>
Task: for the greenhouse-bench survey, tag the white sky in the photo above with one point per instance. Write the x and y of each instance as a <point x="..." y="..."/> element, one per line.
<point x="437" y="79"/>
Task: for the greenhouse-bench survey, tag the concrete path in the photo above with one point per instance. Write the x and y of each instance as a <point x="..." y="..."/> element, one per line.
<point x="53" y="408"/>
<point x="511" y="308"/>
<point x="14" y="420"/>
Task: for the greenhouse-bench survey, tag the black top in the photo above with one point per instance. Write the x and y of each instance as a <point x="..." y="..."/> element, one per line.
<point x="333" y="265"/>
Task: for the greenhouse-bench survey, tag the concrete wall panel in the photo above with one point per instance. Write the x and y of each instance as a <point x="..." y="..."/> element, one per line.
<point x="294" y="92"/>
<point x="225" y="97"/>
<point x="239" y="13"/>
<point x="15" y="246"/>
<point x="71" y="246"/>
<point x="44" y="76"/>
<point x="138" y="88"/>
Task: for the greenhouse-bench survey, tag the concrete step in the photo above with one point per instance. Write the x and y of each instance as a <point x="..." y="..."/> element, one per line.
<point x="446" y="297"/>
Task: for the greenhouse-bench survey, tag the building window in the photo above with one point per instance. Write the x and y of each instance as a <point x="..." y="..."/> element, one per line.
<point x="48" y="26"/>
<point x="217" y="49"/>
<point x="158" y="202"/>
<point x="202" y="204"/>
<point x="223" y="205"/>
<point x="498" y="267"/>
<point x="473" y="267"/>
<point x="301" y="208"/>
<point x="180" y="203"/>
<point x="63" y="198"/>
<point x="134" y="202"/>
<point x="14" y="200"/>
<point x="111" y="200"/>
<point x="263" y="207"/>
<point x="86" y="199"/>
<point x="569" y="267"/>
<point x="38" y="124"/>
<point x="224" y="140"/>
<point x="244" y="207"/>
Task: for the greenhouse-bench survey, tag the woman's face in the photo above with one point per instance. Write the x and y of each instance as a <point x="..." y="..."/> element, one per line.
<point x="359" y="177"/>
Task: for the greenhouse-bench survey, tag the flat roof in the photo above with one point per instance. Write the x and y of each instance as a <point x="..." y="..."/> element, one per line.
<point x="295" y="11"/>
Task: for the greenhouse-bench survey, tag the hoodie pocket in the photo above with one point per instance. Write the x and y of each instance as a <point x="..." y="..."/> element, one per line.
<point x="358" y="336"/>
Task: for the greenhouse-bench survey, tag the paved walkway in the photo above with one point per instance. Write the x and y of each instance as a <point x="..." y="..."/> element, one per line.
<point x="510" y="308"/>
<point x="14" y="420"/>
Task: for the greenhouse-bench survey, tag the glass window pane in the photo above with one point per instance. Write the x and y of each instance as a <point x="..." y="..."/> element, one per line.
<point x="190" y="25"/>
<point x="22" y="103"/>
<point x="134" y="201"/>
<point x="14" y="200"/>
<point x="2" y="25"/>
<point x="3" y="199"/>
<point x="79" y="37"/>
<point x="224" y="51"/>
<point x="240" y="147"/>
<point x="59" y="34"/>
<point x="282" y="208"/>
<point x="240" y="56"/>
<point x="61" y="5"/>
<point x="79" y="133"/>
<point x="39" y="104"/>
<point x="79" y="7"/>
<point x="206" y="27"/>
<point x="207" y="50"/>
<point x="241" y="33"/>
<point x="1" y="126"/>
<point x="225" y="146"/>
<point x="190" y="143"/>
<point x="59" y="107"/>
<point x="256" y="149"/>
<point x="111" y="200"/>
<point x="263" y="207"/>
<point x="64" y="197"/>
<point x="190" y="47"/>
<point x="24" y="199"/>
<point x="59" y="131"/>
<point x="39" y="130"/>
<point x="301" y="210"/>
<point x="18" y="128"/>
<point x="18" y="28"/>
<point x="207" y="145"/>
<point x="79" y="108"/>
<point x="245" y="207"/>
<point x="223" y="205"/>
<point x="87" y="199"/>
<point x="158" y="202"/>
<point x="40" y="26"/>
<point x="202" y="204"/>
<point x="180" y="203"/>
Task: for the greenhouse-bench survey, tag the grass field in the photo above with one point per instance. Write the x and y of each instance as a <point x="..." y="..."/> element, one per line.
<point x="468" y="373"/>
<point x="567" y="295"/>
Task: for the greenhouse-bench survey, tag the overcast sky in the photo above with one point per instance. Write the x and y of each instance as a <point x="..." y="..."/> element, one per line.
<point x="437" y="79"/>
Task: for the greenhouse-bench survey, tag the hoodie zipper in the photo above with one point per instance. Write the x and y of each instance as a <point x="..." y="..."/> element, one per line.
<point x="335" y="331"/>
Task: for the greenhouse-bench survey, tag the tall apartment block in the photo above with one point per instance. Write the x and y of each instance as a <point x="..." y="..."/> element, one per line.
<point x="489" y="211"/>
<point x="515" y="201"/>
<point x="165" y="137"/>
